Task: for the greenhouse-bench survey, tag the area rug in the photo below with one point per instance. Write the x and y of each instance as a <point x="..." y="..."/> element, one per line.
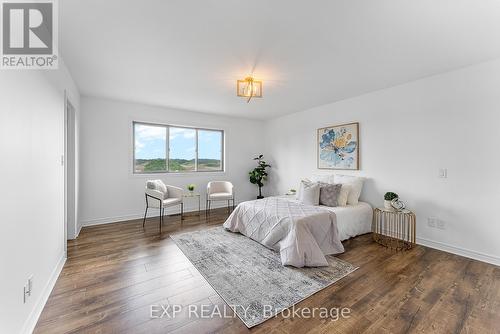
<point x="250" y="277"/>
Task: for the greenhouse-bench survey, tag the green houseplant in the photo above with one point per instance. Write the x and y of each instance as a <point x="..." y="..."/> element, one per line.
<point x="258" y="175"/>
<point x="191" y="187"/>
<point x="388" y="197"/>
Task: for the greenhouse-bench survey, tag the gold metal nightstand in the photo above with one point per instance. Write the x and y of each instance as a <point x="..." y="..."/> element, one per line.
<point x="394" y="229"/>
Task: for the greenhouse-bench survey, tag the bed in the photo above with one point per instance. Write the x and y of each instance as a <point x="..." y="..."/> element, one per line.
<point x="303" y="234"/>
<point x="352" y="220"/>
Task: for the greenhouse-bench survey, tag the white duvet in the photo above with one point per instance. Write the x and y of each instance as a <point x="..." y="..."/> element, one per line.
<point x="303" y="234"/>
<point x="352" y="220"/>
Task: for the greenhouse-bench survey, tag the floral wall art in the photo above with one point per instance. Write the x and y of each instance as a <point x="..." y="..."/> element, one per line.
<point x="338" y="147"/>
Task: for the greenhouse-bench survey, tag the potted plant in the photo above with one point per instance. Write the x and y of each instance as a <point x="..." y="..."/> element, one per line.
<point x="388" y="197"/>
<point x="191" y="187"/>
<point x="258" y="175"/>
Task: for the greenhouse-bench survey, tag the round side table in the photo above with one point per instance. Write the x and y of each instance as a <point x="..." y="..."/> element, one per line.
<point x="394" y="229"/>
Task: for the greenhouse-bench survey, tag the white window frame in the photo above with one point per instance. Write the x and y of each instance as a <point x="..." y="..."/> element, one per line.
<point x="167" y="149"/>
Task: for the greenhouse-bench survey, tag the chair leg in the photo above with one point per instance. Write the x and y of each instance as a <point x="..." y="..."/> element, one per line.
<point x="144" y="220"/>
<point x="228" y="209"/>
<point x="182" y="210"/>
<point x="161" y="217"/>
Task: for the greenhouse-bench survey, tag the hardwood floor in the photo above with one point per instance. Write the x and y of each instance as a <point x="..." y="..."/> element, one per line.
<point x="114" y="273"/>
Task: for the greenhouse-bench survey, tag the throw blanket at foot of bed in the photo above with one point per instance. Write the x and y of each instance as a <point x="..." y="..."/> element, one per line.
<point x="303" y="234"/>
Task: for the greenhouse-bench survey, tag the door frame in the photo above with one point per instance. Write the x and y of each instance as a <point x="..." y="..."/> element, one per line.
<point x="68" y="160"/>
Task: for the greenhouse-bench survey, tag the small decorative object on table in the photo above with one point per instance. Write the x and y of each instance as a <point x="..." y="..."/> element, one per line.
<point x="191" y="187"/>
<point x="398" y="204"/>
<point x="394" y="229"/>
<point x="388" y="197"/>
<point x="291" y="192"/>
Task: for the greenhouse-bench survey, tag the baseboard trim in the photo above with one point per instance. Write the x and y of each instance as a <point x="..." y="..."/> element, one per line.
<point x="459" y="251"/>
<point x="114" y="219"/>
<point x="79" y="230"/>
<point x="30" y="323"/>
<point x="117" y="219"/>
<point x="75" y="235"/>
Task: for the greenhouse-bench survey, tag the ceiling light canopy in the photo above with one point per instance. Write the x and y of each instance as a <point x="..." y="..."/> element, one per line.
<point x="248" y="88"/>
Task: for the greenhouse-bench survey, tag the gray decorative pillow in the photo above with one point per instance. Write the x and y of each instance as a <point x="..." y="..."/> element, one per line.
<point x="329" y="193"/>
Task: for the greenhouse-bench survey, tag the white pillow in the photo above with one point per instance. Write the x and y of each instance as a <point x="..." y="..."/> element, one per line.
<point x="309" y="193"/>
<point x="343" y="194"/>
<point x="301" y="188"/>
<point x="159" y="186"/>
<point x="356" y="184"/>
<point x="322" y="178"/>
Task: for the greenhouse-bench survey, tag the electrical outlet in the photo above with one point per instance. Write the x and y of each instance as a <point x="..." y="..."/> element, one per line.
<point x="443" y="173"/>
<point x="441" y="224"/>
<point x="435" y="222"/>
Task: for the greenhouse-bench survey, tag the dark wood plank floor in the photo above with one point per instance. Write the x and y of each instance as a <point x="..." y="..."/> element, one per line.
<point x="114" y="273"/>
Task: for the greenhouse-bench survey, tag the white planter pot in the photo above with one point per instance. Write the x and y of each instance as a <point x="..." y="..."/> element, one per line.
<point x="387" y="204"/>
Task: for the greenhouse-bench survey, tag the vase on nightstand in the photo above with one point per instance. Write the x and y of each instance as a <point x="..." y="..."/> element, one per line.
<point x="387" y="204"/>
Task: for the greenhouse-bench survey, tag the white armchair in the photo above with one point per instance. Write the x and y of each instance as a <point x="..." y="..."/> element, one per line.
<point x="219" y="191"/>
<point x="161" y="196"/>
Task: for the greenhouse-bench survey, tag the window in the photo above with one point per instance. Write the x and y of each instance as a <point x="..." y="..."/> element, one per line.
<point x="162" y="148"/>
<point x="150" y="152"/>
<point x="209" y="150"/>
<point x="182" y="150"/>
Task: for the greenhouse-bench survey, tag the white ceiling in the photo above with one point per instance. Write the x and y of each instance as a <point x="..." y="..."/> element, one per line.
<point x="188" y="54"/>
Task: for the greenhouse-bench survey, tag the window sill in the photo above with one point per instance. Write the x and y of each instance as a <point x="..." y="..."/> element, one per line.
<point x="177" y="174"/>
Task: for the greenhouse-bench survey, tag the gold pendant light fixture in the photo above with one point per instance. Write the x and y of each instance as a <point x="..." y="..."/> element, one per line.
<point x="249" y="88"/>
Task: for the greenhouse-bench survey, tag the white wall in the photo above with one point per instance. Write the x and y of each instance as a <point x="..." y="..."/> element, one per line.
<point x="407" y="133"/>
<point x="109" y="190"/>
<point x="32" y="190"/>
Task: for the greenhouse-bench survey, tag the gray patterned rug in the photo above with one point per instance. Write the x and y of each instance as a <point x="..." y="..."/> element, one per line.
<point x="250" y="277"/>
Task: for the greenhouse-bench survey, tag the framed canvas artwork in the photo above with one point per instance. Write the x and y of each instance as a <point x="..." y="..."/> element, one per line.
<point x="338" y="147"/>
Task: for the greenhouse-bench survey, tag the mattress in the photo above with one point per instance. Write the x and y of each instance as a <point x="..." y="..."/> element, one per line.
<point x="352" y="220"/>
